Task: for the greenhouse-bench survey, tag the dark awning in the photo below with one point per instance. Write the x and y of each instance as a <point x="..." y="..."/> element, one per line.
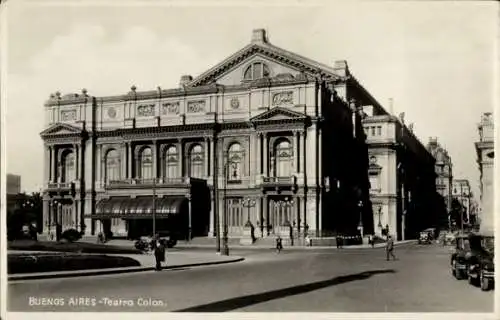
<point x="137" y="208"/>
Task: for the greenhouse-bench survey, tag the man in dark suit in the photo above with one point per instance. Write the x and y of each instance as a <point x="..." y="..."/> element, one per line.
<point x="389" y="248"/>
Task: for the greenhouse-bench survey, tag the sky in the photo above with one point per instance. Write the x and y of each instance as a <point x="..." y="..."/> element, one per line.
<point x="434" y="59"/>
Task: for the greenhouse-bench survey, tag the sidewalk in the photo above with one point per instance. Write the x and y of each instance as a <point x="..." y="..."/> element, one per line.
<point x="175" y="260"/>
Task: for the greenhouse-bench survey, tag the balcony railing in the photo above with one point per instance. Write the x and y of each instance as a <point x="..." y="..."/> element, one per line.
<point x="138" y="182"/>
<point x="58" y="186"/>
<point x="292" y="180"/>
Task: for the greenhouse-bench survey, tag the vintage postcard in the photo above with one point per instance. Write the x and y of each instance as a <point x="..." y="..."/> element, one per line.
<point x="321" y="159"/>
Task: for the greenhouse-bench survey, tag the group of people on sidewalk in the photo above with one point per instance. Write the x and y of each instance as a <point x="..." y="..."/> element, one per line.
<point x="389" y="246"/>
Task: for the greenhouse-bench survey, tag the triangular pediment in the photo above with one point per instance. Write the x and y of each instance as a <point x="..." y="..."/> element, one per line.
<point x="60" y="129"/>
<point x="282" y="64"/>
<point x="278" y="113"/>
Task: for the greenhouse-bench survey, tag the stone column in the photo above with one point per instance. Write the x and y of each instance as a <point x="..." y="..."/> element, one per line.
<point x="46" y="217"/>
<point x="130" y="160"/>
<point x="182" y="157"/>
<point x="206" y="157"/>
<point x="296" y="151"/>
<point x="155" y="159"/>
<point x="265" y="155"/>
<point x="258" y="154"/>
<point x="212" y="157"/>
<point x="77" y="161"/>
<point x="46" y="168"/>
<point x="123" y="161"/>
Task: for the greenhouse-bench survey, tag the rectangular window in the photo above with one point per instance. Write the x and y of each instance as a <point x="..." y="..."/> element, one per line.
<point x="379" y="130"/>
<point x="373" y="131"/>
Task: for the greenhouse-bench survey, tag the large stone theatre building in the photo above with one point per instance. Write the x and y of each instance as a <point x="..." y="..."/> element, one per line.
<point x="272" y="139"/>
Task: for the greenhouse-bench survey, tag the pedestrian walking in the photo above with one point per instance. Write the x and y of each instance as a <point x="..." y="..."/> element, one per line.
<point x="279" y="244"/>
<point x="389" y="248"/>
<point x="371" y="240"/>
<point x="340" y="241"/>
<point x="159" y="252"/>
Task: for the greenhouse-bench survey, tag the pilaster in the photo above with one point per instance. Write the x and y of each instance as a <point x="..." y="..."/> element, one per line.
<point x="206" y="156"/>
<point x="265" y="155"/>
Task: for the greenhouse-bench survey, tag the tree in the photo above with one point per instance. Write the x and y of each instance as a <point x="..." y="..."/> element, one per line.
<point x="27" y="210"/>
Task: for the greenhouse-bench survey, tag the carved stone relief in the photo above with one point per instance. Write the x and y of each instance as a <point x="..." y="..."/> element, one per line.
<point x="68" y="115"/>
<point x="235" y="103"/>
<point x="170" y="108"/>
<point x="111" y="112"/>
<point x="196" y="106"/>
<point x="146" y="110"/>
<point x="282" y="98"/>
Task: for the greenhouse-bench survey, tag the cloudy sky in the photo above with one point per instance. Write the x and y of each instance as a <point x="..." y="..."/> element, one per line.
<point x="435" y="59"/>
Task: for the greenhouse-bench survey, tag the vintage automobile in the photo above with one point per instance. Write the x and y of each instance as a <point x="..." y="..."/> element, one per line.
<point x="424" y="238"/>
<point x="481" y="269"/>
<point x="449" y="239"/>
<point x="460" y="256"/>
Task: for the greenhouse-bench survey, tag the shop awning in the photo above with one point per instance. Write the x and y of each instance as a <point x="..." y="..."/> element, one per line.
<point x="138" y="208"/>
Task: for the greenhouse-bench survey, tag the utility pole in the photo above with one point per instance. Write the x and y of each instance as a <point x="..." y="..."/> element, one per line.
<point x="154" y="207"/>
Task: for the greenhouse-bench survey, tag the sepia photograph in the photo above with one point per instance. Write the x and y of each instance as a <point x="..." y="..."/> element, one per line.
<point x="249" y="156"/>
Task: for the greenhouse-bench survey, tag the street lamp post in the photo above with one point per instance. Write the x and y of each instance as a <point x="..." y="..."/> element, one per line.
<point x="154" y="208"/>
<point x="249" y="203"/>
<point x="379" y="213"/>
<point x="360" y="226"/>
<point x="225" y="246"/>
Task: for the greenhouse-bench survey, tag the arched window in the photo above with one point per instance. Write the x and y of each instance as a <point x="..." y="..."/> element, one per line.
<point x="68" y="167"/>
<point x="256" y="71"/>
<point x="146" y="163"/>
<point x="171" y="163"/>
<point x="283" y="159"/>
<point x="112" y="171"/>
<point x="235" y="159"/>
<point x="196" y="162"/>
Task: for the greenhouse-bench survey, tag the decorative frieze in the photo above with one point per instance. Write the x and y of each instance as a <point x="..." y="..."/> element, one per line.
<point x="170" y="108"/>
<point x="196" y="106"/>
<point x="282" y="98"/>
<point x="146" y="110"/>
<point x="68" y="115"/>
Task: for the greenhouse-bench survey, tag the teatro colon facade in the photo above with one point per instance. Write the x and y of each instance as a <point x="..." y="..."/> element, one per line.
<point x="266" y="138"/>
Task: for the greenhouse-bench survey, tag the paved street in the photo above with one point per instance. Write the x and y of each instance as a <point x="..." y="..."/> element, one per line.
<point x="324" y="280"/>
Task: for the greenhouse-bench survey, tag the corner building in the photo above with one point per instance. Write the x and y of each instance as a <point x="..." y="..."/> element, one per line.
<point x="485" y="151"/>
<point x="266" y="136"/>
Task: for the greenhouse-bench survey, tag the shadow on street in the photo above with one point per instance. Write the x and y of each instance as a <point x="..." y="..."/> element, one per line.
<point x="241" y="302"/>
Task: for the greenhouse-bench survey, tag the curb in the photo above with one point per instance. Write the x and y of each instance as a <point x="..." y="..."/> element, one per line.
<point x="95" y="272"/>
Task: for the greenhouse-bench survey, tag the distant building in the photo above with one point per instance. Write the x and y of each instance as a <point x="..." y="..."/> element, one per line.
<point x="485" y="159"/>
<point x="402" y="177"/>
<point x="12" y="191"/>
<point x="13" y="184"/>
<point x="462" y="192"/>
<point x="444" y="171"/>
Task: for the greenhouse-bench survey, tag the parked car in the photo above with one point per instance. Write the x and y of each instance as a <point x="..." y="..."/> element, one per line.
<point x="424" y="238"/>
<point x="460" y="256"/>
<point x="448" y="239"/>
<point x="481" y="269"/>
